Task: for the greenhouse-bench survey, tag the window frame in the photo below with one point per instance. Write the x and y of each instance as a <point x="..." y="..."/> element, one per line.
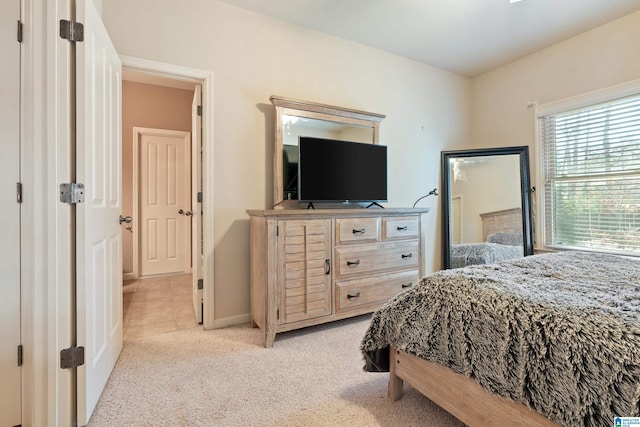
<point x="585" y="100"/>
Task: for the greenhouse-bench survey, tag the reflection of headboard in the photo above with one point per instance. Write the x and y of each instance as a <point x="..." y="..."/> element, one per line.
<point x="505" y="221"/>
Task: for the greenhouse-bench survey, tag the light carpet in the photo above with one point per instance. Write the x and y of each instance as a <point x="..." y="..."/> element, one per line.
<point x="225" y="377"/>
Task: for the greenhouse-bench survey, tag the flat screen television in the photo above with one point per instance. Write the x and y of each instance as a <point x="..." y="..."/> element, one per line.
<point x="341" y="171"/>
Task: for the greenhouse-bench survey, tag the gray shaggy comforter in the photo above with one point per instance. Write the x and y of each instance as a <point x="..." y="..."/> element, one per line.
<point x="559" y="332"/>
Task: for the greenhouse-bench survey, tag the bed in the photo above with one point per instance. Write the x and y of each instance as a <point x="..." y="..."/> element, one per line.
<point x="544" y="340"/>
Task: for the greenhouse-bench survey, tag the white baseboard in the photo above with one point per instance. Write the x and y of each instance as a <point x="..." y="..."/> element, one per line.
<point x="128" y="276"/>
<point x="232" y="321"/>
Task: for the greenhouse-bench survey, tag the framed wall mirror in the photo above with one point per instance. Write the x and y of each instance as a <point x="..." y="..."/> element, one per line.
<point x="296" y="118"/>
<point x="486" y="208"/>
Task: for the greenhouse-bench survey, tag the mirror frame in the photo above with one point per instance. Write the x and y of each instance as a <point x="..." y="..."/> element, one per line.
<point x="525" y="192"/>
<point x="311" y="110"/>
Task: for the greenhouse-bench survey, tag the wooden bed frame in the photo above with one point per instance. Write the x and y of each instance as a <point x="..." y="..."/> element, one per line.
<point x="461" y="396"/>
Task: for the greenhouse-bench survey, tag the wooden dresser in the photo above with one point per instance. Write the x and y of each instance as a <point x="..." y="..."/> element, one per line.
<point x="315" y="266"/>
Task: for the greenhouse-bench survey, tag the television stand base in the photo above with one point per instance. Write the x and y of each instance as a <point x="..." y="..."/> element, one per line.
<point x="310" y="206"/>
<point x="375" y="204"/>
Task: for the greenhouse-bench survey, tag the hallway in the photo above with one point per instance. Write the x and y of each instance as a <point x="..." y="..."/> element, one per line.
<point x="156" y="305"/>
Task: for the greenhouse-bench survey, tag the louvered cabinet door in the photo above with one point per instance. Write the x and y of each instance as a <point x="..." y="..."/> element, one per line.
<point x="305" y="269"/>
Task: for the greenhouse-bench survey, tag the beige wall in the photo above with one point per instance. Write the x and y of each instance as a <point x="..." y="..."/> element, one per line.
<point x="605" y="56"/>
<point x="146" y="106"/>
<point x="253" y="57"/>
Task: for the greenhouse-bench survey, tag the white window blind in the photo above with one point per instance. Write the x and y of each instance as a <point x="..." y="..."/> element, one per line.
<point x="591" y="161"/>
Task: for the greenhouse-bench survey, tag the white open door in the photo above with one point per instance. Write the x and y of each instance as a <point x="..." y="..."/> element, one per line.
<point x="197" y="254"/>
<point x="98" y="232"/>
<point x="10" y="385"/>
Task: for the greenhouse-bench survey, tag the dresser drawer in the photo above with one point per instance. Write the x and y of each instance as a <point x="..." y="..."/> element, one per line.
<point x="352" y="261"/>
<point x="372" y="291"/>
<point x="399" y="228"/>
<point x="357" y="230"/>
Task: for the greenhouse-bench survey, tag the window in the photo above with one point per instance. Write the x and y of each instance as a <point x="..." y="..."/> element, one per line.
<point x="591" y="171"/>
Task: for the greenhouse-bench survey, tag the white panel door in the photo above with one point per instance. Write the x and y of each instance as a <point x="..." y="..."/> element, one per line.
<point x="10" y="403"/>
<point x="165" y="202"/>
<point x="98" y="232"/>
<point x="197" y="254"/>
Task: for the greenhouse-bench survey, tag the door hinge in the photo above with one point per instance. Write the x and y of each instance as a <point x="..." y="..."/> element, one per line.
<point x="20" y="355"/>
<point x="277" y="230"/>
<point x="199" y="110"/>
<point x="19" y="192"/>
<point x="200" y="283"/>
<point x="278" y="314"/>
<point x="71" y="30"/>
<point x="199" y="196"/>
<point x="19" y="31"/>
<point x="72" y="193"/>
<point x="71" y="357"/>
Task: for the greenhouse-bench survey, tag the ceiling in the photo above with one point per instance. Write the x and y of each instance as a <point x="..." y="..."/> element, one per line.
<point x="468" y="37"/>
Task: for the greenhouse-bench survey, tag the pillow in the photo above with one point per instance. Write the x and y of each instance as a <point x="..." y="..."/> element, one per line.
<point x="505" y="239"/>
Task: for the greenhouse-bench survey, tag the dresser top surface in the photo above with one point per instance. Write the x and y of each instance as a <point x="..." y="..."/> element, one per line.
<point x="341" y="213"/>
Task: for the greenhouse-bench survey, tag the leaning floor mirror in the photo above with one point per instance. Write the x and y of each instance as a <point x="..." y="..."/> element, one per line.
<point x="486" y="208"/>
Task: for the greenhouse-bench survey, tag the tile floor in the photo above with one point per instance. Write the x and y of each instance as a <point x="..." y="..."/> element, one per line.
<point x="157" y="305"/>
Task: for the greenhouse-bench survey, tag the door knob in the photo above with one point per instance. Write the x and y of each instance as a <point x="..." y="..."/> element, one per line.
<point x="126" y="219"/>
<point x="181" y="212"/>
<point x="188" y="213"/>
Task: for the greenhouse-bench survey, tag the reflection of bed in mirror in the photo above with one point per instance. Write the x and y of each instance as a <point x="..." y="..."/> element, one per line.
<point x="502" y="231"/>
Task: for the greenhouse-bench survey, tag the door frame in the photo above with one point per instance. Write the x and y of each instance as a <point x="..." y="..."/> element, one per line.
<point x="456" y="216"/>
<point x="135" y="178"/>
<point x="205" y="79"/>
<point x="45" y="162"/>
<point x="10" y="331"/>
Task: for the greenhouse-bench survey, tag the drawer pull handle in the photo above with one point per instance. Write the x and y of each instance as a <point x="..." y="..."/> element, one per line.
<point x="361" y="231"/>
<point x="350" y="263"/>
<point x="356" y="295"/>
<point x="405" y="228"/>
<point x="406" y="256"/>
<point x="327" y="263"/>
<point x="406" y="285"/>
